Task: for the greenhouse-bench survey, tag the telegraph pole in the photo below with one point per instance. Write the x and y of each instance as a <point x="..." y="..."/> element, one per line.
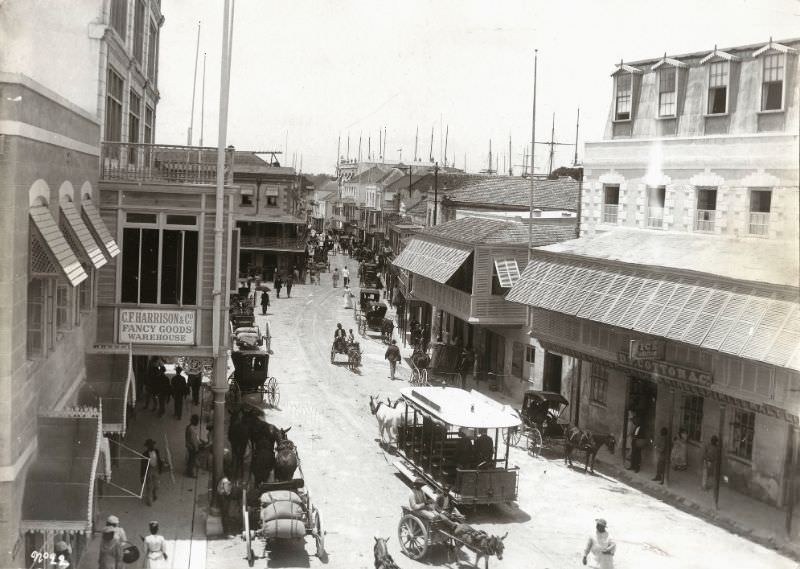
<point x="435" y="190"/>
<point x="533" y="142"/>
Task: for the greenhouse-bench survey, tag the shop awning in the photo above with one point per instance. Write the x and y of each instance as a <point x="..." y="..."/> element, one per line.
<point x="109" y="378"/>
<point x="100" y="228"/>
<point x="435" y="261"/>
<point x="57" y="245"/>
<point x="83" y="234"/>
<point x="737" y="320"/>
<point x="59" y="486"/>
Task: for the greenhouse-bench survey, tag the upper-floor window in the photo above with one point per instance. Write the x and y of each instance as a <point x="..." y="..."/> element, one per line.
<point x="149" y="115"/>
<point x="36" y="317"/>
<point x="667" y="91"/>
<point x="134" y="115"/>
<point x="610" y="203"/>
<point x="63" y="297"/>
<point x="718" y="74"/>
<point x="115" y="87"/>
<point x="624" y="95"/>
<point x="656" y="197"/>
<point x="152" y="53"/>
<point x="760" y="207"/>
<point x="772" y="82"/>
<point x="138" y="31"/>
<point x="159" y="259"/>
<point x="706" y="209"/>
<point x="119" y="16"/>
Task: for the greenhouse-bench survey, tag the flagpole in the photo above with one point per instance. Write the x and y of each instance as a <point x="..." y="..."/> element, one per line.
<point x="194" y="87"/>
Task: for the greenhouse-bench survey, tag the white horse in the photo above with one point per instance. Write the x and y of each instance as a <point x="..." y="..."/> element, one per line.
<point x="389" y="419"/>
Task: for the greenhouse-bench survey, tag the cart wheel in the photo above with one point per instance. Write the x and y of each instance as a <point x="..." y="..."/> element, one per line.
<point x="513" y="435"/>
<point x="333" y="355"/>
<point x="534" y="442"/>
<point x="273" y="392"/>
<point x="413" y="536"/>
<point x="319" y="534"/>
<point x="251" y="558"/>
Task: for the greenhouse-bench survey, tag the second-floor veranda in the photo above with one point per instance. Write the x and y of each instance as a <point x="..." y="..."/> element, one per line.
<point x="283" y="233"/>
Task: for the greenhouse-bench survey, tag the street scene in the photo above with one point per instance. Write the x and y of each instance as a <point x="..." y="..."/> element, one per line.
<point x="443" y="284"/>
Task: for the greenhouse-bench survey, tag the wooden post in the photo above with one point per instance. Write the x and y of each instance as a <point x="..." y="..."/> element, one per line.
<point x="668" y="448"/>
<point x="718" y="476"/>
<point x="790" y="477"/>
<point x="625" y="413"/>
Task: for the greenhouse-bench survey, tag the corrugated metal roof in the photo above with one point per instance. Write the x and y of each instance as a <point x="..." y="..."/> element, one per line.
<point x="84" y="235"/>
<point x="57" y="244"/>
<point x="511" y="191"/>
<point x="484" y="231"/>
<point x="100" y="227"/>
<point x="740" y="321"/>
<point x="435" y="261"/>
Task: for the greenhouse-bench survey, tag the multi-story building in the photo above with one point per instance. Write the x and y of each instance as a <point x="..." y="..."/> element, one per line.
<point x="99" y="80"/>
<point x="679" y="304"/>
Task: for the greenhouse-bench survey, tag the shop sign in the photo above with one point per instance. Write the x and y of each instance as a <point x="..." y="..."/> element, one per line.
<point x="646" y="350"/>
<point x="156" y="326"/>
<point x="669" y="370"/>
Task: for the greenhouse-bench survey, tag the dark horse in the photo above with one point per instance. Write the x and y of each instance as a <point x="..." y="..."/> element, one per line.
<point x="382" y="558"/>
<point x="286" y="458"/>
<point x="239" y="436"/>
<point x="262" y="437"/>
<point x="484" y="544"/>
<point x="588" y="442"/>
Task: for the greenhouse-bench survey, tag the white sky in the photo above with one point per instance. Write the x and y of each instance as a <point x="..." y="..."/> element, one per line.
<point x="320" y="69"/>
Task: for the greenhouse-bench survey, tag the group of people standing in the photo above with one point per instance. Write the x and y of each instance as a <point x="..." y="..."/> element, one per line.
<point x="116" y="551"/>
<point x="160" y="388"/>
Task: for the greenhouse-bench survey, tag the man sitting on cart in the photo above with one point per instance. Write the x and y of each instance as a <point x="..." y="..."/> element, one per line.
<point x="441" y="508"/>
<point x="339" y="337"/>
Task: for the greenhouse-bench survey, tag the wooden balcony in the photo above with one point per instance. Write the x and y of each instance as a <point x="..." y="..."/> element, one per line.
<point x="162" y="163"/>
<point x="443" y="297"/>
<point x="271" y="242"/>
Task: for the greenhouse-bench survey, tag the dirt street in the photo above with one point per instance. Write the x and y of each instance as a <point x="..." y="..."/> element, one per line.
<point x="359" y="493"/>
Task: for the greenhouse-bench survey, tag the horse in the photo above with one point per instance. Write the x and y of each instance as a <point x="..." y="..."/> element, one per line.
<point x="588" y="442"/>
<point x="239" y="437"/>
<point x="382" y="558"/>
<point x="389" y="419"/>
<point x="285" y="458"/>
<point x="483" y="543"/>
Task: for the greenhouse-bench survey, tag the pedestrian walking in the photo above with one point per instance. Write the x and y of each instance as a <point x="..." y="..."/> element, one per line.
<point x="110" y="550"/>
<point x="679" y="456"/>
<point x="348" y="297"/>
<point x="163" y="390"/>
<point x="295" y="274"/>
<point x="393" y="355"/>
<point x="346" y="276"/>
<point x="180" y="389"/>
<point x="638" y="444"/>
<point x="601" y="547"/>
<point x="631" y="427"/>
<point x="149" y="471"/>
<point x="155" y="549"/>
<point x="195" y="383"/>
<point x="113" y="522"/>
<point x="193" y="444"/>
<point x="710" y="463"/>
<point x="151" y="385"/>
<point x="335" y="277"/>
<point x="289" y="284"/>
<point x="264" y="302"/>
<point x="278" y="283"/>
<point x="661" y="455"/>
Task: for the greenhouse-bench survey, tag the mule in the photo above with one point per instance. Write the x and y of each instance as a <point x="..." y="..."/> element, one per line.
<point x="382" y="558"/>
<point x="588" y="442"/>
<point x="485" y="545"/>
<point x="285" y="458"/>
<point x="389" y="419"/>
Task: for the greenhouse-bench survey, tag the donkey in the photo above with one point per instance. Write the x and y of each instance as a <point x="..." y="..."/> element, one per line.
<point x="285" y="458"/>
<point x="389" y="419"/>
<point x="382" y="558"/>
<point x="588" y="442"/>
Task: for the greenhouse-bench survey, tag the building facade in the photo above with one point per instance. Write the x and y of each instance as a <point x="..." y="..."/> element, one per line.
<point x="678" y="305"/>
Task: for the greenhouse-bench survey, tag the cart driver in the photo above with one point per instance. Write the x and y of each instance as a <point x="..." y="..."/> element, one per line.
<point x="339" y="335"/>
<point x="351" y="339"/>
<point x="419" y="502"/>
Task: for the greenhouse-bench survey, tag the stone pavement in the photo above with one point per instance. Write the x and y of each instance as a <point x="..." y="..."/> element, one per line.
<point x="182" y="503"/>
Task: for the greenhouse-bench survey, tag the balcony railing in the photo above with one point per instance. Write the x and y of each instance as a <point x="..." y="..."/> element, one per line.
<point x="704" y="220"/>
<point x="655" y="217"/>
<point x="263" y="242"/>
<point x="759" y="223"/>
<point x="610" y="213"/>
<point x="162" y="163"/>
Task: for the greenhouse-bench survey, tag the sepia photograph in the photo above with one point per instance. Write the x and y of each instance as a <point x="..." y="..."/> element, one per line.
<point x="364" y="284"/>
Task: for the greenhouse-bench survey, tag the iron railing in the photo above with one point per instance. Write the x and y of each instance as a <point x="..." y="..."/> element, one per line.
<point x="162" y="163"/>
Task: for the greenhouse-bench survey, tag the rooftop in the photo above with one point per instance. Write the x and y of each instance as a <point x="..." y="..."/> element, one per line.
<point x="483" y="231"/>
<point x="512" y="191"/>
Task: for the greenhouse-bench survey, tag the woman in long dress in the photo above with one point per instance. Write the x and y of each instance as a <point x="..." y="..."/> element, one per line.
<point x="680" y="451"/>
<point x="155" y="552"/>
<point x="348" y="297"/>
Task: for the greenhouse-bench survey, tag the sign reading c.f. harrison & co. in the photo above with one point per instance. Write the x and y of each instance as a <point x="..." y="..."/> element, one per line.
<point x="156" y="326"/>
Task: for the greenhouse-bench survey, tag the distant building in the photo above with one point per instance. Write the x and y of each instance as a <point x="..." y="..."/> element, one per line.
<point x="679" y="304"/>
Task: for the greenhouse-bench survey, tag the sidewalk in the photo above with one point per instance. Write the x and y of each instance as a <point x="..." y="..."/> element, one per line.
<point x="737" y="513"/>
<point x="182" y="504"/>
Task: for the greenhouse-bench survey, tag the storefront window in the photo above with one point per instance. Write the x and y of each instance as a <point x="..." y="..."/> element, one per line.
<point x="692" y="416"/>
<point x="599" y="385"/>
<point x="742" y="432"/>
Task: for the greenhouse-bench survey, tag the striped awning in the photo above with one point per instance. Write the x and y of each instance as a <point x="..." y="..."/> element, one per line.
<point x="83" y="234"/>
<point x="435" y="261"/>
<point x="57" y="245"/>
<point x="59" y="486"/>
<point x="100" y="228"/>
<point x="109" y="378"/>
<point x="736" y="320"/>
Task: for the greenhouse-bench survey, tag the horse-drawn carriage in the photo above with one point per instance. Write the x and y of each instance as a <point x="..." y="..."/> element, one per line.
<point x="541" y="414"/>
<point x="241" y="312"/>
<point x="250" y="377"/>
<point x="351" y="349"/>
<point x="368" y="276"/>
<point x="433" y="426"/>
<point x="370" y="314"/>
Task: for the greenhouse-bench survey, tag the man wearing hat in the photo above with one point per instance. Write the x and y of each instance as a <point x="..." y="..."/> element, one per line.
<point x="119" y="533"/>
<point x="110" y="551"/>
<point x="150" y="468"/>
<point x="63" y="555"/>
<point x="601" y="546"/>
<point x="418" y="501"/>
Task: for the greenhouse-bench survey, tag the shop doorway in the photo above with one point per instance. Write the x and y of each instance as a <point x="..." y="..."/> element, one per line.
<point x="553" y="364"/>
<point x="642" y="397"/>
<point x="495" y="353"/>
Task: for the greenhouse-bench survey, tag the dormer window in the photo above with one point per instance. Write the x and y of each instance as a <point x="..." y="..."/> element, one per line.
<point x="772" y="82"/>
<point x="667" y="91"/>
<point x="718" y="79"/>
<point x="624" y="95"/>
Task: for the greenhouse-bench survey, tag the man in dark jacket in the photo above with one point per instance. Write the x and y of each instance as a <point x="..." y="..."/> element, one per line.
<point x="393" y="355"/>
<point x="179" y="390"/>
<point x="163" y="390"/>
<point x="484" y="450"/>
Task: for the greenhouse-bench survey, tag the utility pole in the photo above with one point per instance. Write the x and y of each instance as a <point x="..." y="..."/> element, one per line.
<point x="552" y="137"/>
<point x="338" y="154"/>
<point x="348" y="146"/>
<point x="577" y="125"/>
<point x="430" y="154"/>
<point x="194" y="87"/>
<point x="435" y="190"/>
<point x="369" y="148"/>
<point x="203" y="101"/>
<point x="447" y="134"/>
<point x="533" y="142"/>
<point x="510" y="159"/>
<point x="416" y="141"/>
<point x="384" y="143"/>
<point x="359" y="147"/>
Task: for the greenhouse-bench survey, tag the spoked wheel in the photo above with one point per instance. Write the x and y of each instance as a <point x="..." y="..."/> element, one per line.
<point x="319" y="534"/>
<point x="413" y="536"/>
<point x="534" y="442"/>
<point x="333" y="355"/>
<point x="251" y="557"/>
<point x="415" y="377"/>
<point x="273" y="392"/>
<point x="513" y="436"/>
<point x="362" y="326"/>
